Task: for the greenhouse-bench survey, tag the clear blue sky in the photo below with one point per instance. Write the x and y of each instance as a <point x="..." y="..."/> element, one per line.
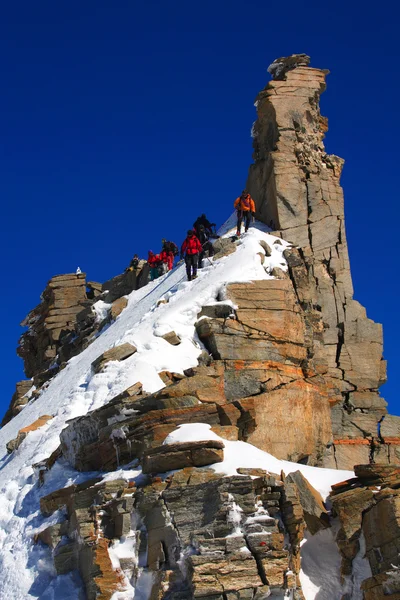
<point x="122" y="121"/>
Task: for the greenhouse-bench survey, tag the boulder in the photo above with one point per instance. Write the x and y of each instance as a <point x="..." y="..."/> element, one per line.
<point x="315" y="513"/>
<point x="219" y="310"/>
<point x="178" y="456"/>
<point x="102" y="440"/>
<point x="119" y="353"/>
<point x="223" y="247"/>
<point x="94" y="289"/>
<point x="172" y="338"/>
<point x="22" y="433"/>
<point x="349" y="506"/>
<point x="266" y="248"/>
<point x="279" y="273"/>
<point x="118" y="306"/>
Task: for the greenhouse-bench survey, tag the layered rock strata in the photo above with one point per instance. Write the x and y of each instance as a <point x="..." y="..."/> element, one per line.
<point x="62" y="300"/>
<point x="271" y="377"/>
<point x="193" y="535"/>
<point x="296" y="186"/>
<point x="368" y="508"/>
<point x="64" y="324"/>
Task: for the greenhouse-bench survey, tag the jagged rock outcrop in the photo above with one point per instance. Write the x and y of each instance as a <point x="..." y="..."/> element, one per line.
<point x="19" y="399"/>
<point x="63" y="298"/>
<point x="124" y="284"/>
<point x="369" y="506"/>
<point x="270" y="374"/>
<point x="296" y="186"/>
<point x="64" y="324"/>
<point x="197" y="535"/>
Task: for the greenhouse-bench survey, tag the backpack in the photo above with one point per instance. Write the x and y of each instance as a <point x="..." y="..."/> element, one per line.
<point x="171" y="247"/>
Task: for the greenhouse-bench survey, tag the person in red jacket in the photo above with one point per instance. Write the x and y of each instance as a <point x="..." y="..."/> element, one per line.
<point x="167" y="259"/>
<point x="154" y="262"/>
<point x="245" y="209"/>
<point x="191" y="248"/>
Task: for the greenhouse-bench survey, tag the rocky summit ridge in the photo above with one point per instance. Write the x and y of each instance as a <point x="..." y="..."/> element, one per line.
<point x="179" y="440"/>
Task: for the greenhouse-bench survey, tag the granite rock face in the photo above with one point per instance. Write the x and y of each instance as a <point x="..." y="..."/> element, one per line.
<point x="296" y="187"/>
<point x="368" y="507"/>
<point x="271" y="375"/>
<point x="196" y="535"/>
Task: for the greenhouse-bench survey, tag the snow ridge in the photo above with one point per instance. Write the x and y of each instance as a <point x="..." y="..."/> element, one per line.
<point x="26" y="569"/>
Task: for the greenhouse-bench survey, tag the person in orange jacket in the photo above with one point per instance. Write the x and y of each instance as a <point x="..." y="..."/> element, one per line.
<point x="191" y="248"/>
<point x="245" y="210"/>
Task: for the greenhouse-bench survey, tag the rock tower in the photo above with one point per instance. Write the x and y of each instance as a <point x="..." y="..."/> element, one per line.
<point x="296" y="185"/>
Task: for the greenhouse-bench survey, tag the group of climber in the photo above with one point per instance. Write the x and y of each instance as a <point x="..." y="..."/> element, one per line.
<point x="197" y="244"/>
<point x="193" y="250"/>
<point x="162" y="262"/>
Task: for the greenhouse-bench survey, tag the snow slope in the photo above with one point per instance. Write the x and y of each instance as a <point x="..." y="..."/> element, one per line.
<point x="26" y="570"/>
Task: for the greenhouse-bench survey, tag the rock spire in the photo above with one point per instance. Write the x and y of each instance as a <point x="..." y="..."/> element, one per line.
<point x="296" y="186"/>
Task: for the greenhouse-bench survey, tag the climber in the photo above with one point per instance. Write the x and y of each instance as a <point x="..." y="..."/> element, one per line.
<point x="168" y="253"/>
<point x="205" y="243"/>
<point x="191" y="248"/>
<point x="167" y="260"/>
<point x="154" y="261"/>
<point x="133" y="265"/>
<point x="202" y="220"/>
<point x="170" y="247"/>
<point x="245" y="210"/>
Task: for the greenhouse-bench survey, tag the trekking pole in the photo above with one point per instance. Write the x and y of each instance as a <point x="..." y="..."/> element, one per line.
<point x="207" y="241"/>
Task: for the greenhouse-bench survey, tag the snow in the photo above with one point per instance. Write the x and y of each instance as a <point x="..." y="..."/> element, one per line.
<point x="26" y="569"/>
<point x="242" y="454"/>
<point x="101" y="310"/>
<point x="320" y="568"/>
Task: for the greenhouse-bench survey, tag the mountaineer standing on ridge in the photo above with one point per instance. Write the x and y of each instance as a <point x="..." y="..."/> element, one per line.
<point x="191" y="248"/>
<point x="246" y="208"/>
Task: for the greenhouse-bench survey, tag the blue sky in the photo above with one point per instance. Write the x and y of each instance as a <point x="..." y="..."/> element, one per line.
<point x="121" y="122"/>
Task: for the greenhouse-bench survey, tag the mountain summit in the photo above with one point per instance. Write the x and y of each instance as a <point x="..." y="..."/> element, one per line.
<point x="215" y="439"/>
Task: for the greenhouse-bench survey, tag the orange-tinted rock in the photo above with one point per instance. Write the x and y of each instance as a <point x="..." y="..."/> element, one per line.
<point x="15" y="443"/>
<point x="292" y="422"/>
<point x="36" y="424"/>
